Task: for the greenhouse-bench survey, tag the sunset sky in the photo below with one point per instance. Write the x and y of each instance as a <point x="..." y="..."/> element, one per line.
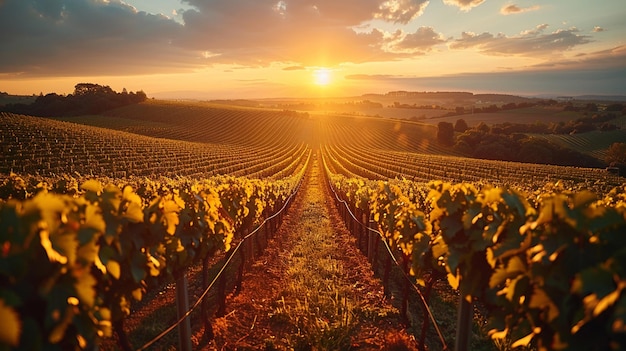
<point x="295" y="48"/>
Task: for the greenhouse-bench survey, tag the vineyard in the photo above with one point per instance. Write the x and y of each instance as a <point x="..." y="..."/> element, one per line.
<point x="97" y="212"/>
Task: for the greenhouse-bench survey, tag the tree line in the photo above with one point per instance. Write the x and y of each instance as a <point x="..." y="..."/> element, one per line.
<point x="492" y="143"/>
<point x="88" y="98"/>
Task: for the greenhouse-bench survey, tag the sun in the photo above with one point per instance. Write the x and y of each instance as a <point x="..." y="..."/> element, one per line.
<point x="322" y="76"/>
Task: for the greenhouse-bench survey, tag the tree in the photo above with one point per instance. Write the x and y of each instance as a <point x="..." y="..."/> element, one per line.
<point x="616" y="155"/>
<point x="460" y="125"/>
<point x="91" y="88"/>
<point x="482" y="127"/>
<point x="445" y="133"/>
<point x="88" y="98"/>
<point x="615" y="107"/>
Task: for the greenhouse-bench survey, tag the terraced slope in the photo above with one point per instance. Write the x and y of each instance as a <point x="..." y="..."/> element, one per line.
<point x="199" y="139"/>
<point x="39" y="146"/>
<point x="205" y="122"/>
<point x="371" y="149"/>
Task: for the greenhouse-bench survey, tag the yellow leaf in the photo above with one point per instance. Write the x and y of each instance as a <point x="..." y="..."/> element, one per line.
<point x="93" y="219"/>
<point x="106" y="328"/>
<point x="137" y="294"/>
<point x="606" y="302"/>
<point x="53" y="255"/>
<point x="114" y="269"/>
<point x="134" y="213"/>
<point x="541" y="300"/>
<point x="498" y="335"/>
<point x="170" y="214"/>
<point x="85" y="288"/>
<point x="58" y="332"/>
<point x="92" y="185"/>
<point x="490" y="258"/>
<point x="583" y="198"/>
<point x="525" y="341"/>
<point x="10" y="325"/>
<point x="98" y="263"/>
<point x="453" y="281"/>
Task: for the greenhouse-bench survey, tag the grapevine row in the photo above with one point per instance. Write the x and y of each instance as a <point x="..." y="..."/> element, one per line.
<point x="47" y="147"/>
<point x="550" y="273"/>
<point x="207" y="123"/>
<point x="391" y="151"/>
<point x="73" y="261"/>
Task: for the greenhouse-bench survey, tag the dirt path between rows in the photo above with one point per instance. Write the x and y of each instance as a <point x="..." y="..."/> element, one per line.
<point x="311" y="289"/>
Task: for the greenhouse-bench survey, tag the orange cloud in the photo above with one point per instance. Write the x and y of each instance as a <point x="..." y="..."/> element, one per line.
<point x="514" y="9"/>
<point x="464" y="5"/>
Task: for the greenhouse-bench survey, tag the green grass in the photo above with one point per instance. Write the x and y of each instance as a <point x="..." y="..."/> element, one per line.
<point x="321" y="310"/>
<point x="593" y="143"/>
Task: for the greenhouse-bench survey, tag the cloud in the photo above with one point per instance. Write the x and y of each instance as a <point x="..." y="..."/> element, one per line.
<point x="109" y="37"/>
<point x="600" y="73"/>
<point x="423" y="40"/>
<point x="514" y="9"/>
<point x="464" y="5"/>
<point x="528" y="43"/>
<point x="401" y="11"/>
<point x="598" y="29"/>
<point x="379" y="77"/>
<point x="471" y="39"/>
<point x="307" y="33"/>
<point x="610" y="58"/>
<point x="294" y="68"/>
<point x="66" y="38"/>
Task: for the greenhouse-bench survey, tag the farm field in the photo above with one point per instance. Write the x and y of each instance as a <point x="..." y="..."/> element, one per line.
<point x="594" y="143"/>
<point x="201" y="183"/>
<point x="523" y="115"/>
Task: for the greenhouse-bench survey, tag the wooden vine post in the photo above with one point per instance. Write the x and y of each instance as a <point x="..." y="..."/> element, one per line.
<point x="463" y="323"/>
<point x="182" y="306"/>
<point x="370" y="241"/>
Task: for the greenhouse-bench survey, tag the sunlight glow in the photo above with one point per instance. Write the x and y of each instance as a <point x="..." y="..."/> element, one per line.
<point x="322" y="76"/>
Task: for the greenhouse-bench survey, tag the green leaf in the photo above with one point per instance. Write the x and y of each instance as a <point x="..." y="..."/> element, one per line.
<point x="594" y="280"/>
<point x="451" y="225"/>
<point x="138" y="267"/>
<point x="10" y="325"/>
<point x="107" y="253"/>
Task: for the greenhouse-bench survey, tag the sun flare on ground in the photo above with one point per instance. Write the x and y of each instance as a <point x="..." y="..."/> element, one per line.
<point x="322" y="76"/>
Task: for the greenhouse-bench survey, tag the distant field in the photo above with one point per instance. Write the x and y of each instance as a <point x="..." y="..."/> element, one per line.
<point x="592" y="143"/>
<point x="16" y="99"/>
<point x="524" y="115"/>
<point x="269" y="133"/>
<point x="123" y="124"/>
<point x="404" y="113"/>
